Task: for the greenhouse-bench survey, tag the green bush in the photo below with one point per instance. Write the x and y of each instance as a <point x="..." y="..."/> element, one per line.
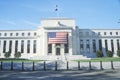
<point x="17" y="54"/>
<point x="99" y="54"/>
<point x="7" y="54"/>
<point x="109" y="54"/>
<point x="118" y="53"/>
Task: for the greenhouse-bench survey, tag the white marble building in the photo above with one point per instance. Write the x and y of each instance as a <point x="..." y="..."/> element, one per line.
<point x="81" y="43"/>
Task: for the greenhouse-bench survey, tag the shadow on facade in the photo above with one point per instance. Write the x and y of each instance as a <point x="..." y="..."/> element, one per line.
<point x="90" y="42"/>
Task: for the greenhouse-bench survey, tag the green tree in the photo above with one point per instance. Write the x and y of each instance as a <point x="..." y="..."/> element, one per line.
<point x="7" y="54"/>
<point x="118" y="53"/>
<point x="99" y="54"/>
<point x="109" y="54"/>
<point x="17" y="54"/>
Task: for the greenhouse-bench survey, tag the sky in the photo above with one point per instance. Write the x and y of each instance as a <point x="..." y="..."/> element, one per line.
<point x="88" y="14"/>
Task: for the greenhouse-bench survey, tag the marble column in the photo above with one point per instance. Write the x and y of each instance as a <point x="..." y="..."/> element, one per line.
<point x="62" y="50"/>
<point x="91" y="46"/>
<point x="84" y="47"/>
<point x="13" y="48"/>
<point x="45" y="43"/>
<point x="53" y="50"/>
<point x="70" y="43"/>
<point x="103" y="47"/>
<point x="25" y="47"/>
<point x="109" y="44"/>
<point x="97" y="44"/>
<point x="19" y="45"/>
<point x="31" y="46"/>
<point x="115" y="47"/>
<point x="7" y="45"/>
<point x="1" y="48"/>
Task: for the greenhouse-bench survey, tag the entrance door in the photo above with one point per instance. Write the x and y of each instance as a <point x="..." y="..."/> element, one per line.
<point x="57" y="51"/>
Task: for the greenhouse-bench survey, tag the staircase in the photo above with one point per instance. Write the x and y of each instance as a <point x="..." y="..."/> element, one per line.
<point x="63" y="58"/>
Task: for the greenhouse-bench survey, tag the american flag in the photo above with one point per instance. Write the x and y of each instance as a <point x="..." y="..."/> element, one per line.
<point x="57" y="37"/>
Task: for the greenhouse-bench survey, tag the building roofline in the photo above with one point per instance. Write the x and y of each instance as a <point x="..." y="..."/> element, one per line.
<point x="99" y="29"/>
<point x="20" y="30"/>
<point x="62" y="18"/>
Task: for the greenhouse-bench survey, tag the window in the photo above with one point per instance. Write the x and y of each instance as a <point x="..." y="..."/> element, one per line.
<point x="94" y="46"/>
<point x="93" y="33"/>
<point x="4" y="47"/>
<point x="22" y="46"/>
<point x="11" y="34"/>
<point x="100" y="45"/>
<point x="110" y="33"/>
<point x="49" y="48"/>
<point x="112" y="45"/>
<point x="28" y="46"/>
<point x="34" y="46"/>
<point x="118" y="45"/>
<point x="66" y="48"/>
<point x="106" y="45"/>
<point x="98" y="33"/>
<point x="23" y="34"/>
<point x="81" y="46"/>
<point x="81" y="33"/>
<point x="58" y="48"/>
<point x="116" y="33"/>
<point x="81" y="41"/>
<point x="16" y="46"/>
<point x="87" y="41"/>
<point x="35" y="33"/>
<point x="87" y="46"/>
<point x="10" y="46"/>
<point x="29" y="34"/>
<point x="16" y="34"/>
<point x="5" y="34"/>
<point x="87" y="33"/>
<point x="104" y="33"/>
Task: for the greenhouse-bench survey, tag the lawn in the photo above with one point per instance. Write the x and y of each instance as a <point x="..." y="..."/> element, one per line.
<point x="18" y="60"/>
<point x="106" y="59"/>
<point x="92" y="60"/>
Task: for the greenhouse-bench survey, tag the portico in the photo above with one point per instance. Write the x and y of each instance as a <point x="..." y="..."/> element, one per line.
<point x="64" y="46"/>
<point x="58" y="49"/>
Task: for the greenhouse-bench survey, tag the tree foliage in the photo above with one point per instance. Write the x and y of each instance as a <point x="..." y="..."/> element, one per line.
<point x="17" y="54"/>
<point x="99" y="54"/>
<point x="109" y="54"/>
<point x="7" y="54"/>
<point x="118" y="53"/>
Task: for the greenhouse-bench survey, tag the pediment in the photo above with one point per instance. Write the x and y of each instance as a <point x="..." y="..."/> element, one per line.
<point x="58" y="28"/>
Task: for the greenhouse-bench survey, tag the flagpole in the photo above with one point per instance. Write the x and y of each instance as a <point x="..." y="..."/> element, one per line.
<point x="56" y="10"/>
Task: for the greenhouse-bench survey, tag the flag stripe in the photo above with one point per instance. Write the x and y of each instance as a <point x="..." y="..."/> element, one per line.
<point x="57" y="37"/>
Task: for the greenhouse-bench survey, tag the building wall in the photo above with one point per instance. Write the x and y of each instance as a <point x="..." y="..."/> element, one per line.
<point x="82" y="42"/>
<point x="100" y="34"/>
<point x="17" y="35"/>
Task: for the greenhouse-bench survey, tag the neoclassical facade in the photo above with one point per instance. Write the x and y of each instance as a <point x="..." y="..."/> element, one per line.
<point x="59" y="38"/>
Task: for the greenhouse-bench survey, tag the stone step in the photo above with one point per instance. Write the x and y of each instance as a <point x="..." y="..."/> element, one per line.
<point x="63" y="58"/>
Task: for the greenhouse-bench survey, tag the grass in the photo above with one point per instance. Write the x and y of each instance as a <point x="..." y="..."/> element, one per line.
<point x="105" y="59"/>
<point x="18" y="60"/>
<point x="108" y="59"/>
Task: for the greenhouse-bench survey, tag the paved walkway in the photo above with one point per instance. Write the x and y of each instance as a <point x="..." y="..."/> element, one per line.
<point x="60" y="75"/>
